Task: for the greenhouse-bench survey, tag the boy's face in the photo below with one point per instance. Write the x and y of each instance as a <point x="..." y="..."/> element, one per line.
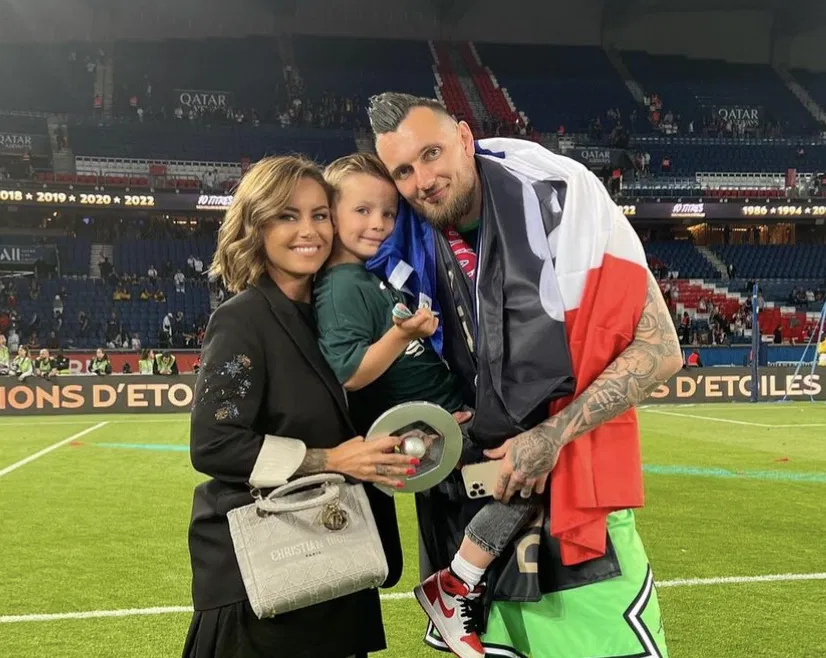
<point x="364" y="214"/>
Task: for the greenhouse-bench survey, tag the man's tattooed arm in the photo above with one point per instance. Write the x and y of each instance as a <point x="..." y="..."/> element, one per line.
<point x="652" y="357"/>
<point x="315" y="461"/>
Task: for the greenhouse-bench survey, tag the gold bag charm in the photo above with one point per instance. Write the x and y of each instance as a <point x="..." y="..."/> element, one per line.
<point x="333" y="517"/>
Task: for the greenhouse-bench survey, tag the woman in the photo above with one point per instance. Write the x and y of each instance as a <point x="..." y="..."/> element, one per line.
<point x="22" y="367"/>
<point x="100" y="365"/>
<point x="267" y="408"/>
<point x="146" y="362"/>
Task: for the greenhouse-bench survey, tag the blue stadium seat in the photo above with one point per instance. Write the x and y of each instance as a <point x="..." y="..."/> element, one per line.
<point x="681" y="256"/>
<point x="553" y="85"/>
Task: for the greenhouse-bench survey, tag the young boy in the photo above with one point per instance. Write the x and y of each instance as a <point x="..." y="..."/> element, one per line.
<point x="383" y="361"/>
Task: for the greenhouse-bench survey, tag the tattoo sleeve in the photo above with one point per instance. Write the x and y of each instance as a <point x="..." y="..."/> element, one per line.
<point x="652" y="357"/>
<point x="315" y="461"/>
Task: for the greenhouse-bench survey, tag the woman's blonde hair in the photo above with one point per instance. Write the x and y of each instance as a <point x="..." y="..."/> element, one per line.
<point x="356" y="163"/>
<point x="261" y="196"/>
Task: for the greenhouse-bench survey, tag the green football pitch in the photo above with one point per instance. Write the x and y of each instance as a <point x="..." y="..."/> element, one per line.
<point x="94" y="514"/>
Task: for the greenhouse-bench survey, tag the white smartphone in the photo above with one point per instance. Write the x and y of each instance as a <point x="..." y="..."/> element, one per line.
<point x="480" y="479"/>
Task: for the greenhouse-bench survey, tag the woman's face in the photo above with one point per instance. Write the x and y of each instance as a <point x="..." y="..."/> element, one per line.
<point x="22" y="352"/>
<point x="99" y="353"/>
<point x="299" y="240"/>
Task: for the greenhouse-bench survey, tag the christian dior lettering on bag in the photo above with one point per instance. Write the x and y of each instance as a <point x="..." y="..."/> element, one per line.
<point x="310" y="541"/>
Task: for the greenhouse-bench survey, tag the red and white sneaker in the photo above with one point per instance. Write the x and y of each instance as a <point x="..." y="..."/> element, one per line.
<point x="449" y="604"/>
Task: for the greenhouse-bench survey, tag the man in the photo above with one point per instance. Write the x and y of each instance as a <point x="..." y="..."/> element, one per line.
<point x="547" y="307"/>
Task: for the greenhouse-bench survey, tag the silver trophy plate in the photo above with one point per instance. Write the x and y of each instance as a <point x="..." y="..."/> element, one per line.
<point x="429" y="433"/>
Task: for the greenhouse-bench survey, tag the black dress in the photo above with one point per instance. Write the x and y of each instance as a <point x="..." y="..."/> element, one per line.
<point x="262" y="373"/>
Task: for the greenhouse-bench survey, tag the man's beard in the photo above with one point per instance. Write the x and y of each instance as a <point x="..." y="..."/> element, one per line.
<point x="450" y="212"/>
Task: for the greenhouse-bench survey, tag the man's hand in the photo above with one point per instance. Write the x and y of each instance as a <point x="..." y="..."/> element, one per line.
<point x="527" y="461"/>
<point x="652" y="357"/>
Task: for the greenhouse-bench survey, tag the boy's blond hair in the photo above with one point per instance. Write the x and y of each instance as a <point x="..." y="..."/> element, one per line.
<point x="263" y="193"/>
<point x="356" y="163"/>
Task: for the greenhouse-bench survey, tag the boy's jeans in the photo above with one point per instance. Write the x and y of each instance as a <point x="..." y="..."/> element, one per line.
<point x="496" y="524"/>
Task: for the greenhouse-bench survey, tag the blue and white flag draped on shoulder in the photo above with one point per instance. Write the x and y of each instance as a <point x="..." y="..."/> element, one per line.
<point x="407" y="261"/>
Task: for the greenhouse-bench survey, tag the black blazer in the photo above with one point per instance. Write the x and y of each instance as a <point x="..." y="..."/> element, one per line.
<point x="263" y="373"/>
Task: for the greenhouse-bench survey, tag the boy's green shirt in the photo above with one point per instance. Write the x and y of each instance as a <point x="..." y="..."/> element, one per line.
<point x="354" y="310"/>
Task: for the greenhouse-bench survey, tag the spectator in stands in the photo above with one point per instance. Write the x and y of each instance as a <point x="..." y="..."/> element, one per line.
<point x="34" y="341"/>
<point x="693" y="360"/>
<point x="167" y="327"/>
<point x="53" y="342"/>
<point x="5" y="359"/>
<point x="180" y="282"/>
<point x="198" y="266"/>
<point x="21" y="367"/>
<point x="82" y="324"/>
<point x="260" y="349"/>
<point x="159" y="295"/>
<point x="739" y="326"/>
<point x="100" y="365"/>
<point x="106" y="268"/>
<point x="778" y="335"/>
<point x="145" y="295"/>
<point x="121" y="293"/>
<point x="152" y="274"/>
<point x="135" y="343"/>
<point x="14" y="339"/>
<point x="34" y="290"/>
<point x="113" y="329"/>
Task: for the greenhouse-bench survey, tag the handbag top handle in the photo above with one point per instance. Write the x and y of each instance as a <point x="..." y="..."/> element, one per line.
<point x="276" y="501"/>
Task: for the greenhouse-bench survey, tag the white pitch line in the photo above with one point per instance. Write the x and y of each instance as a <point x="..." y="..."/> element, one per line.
<point x="730" y="421"/>
<point x="718" y="420"/>
<point x="403" y="596"/>
<point x="742" y="580"/>
<point x="49" y="449"/>
<point x="172" y="418"/>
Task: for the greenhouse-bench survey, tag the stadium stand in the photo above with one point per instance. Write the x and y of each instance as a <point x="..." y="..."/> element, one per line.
<point x="681" y="256"/>
<point x="782" y="261"/>
<point x="183" y="141"/>
<point x="362" y="67"/>
<point x="558" y="85"/>
<point x="151" y="71"/>
<point x="691" y="87"/>
<point x="311" y="99"/>
<point x="59" y="77"/>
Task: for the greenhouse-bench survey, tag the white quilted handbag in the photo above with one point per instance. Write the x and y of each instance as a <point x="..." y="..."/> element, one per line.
<point x="309" y="541"/>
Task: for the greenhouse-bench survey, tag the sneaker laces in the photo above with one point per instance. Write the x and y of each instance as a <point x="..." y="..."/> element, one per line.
<point x="472" y="609"/>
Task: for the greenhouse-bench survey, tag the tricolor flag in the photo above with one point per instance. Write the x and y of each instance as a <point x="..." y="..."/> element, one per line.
<point x="600" y="269"/>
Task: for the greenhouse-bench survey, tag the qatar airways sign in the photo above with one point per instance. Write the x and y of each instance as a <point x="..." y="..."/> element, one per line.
<point x="202" y="100"/>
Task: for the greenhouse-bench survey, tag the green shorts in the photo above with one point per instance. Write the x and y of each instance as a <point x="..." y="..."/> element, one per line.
<point x="615" y="618"/>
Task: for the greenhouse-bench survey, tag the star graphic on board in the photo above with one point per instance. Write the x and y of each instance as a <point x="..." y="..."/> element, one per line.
<point x="72" y="198"/>
<point x="116" y="199"/>
<point x="773" y="211"/>
<point x="808" y="211"/>
<point x="29" y="196"/>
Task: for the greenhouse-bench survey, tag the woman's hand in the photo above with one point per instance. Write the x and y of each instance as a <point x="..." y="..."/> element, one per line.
<point x="372" y="461"/>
